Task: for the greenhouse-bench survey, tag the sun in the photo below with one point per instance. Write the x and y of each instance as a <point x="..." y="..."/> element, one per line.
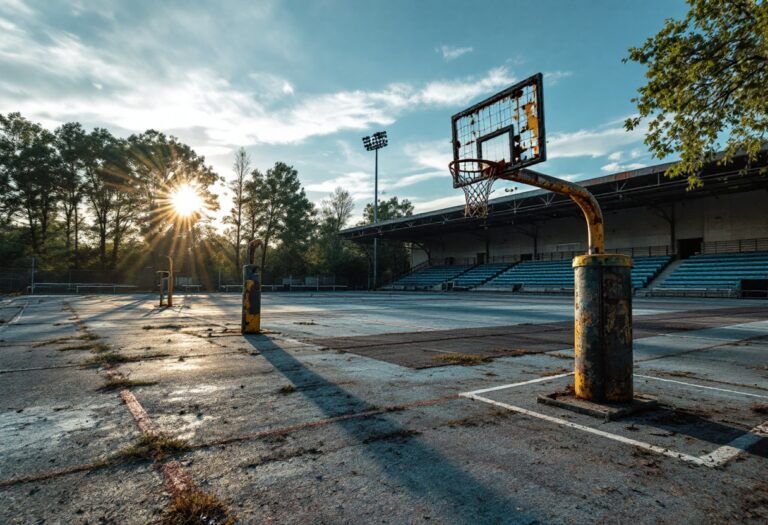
<point x="186" y="200"/>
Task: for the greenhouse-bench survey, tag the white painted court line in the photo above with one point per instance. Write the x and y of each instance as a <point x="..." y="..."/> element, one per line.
<point x="737" y="446"/>
<point x="512" y="385"/>
<point x="16" y="318"/>
<point x="702" y="386"/>
<point x="715" y="458"/>
<point x="641" y="444"/>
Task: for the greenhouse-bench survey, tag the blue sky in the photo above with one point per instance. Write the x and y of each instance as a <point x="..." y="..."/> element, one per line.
<point x="302" y="81"/>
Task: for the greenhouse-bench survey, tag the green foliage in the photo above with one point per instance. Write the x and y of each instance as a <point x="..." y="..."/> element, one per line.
<point x="391" y="209"/>
<point x="394" y="256"/>
<point x="28" y="168"/>
<point x="706" y="85"/>
<point x="92" y="207"/>
<point x="278" y="211"/>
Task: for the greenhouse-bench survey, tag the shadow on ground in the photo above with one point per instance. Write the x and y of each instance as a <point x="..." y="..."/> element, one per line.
<point x="411" y="464"/>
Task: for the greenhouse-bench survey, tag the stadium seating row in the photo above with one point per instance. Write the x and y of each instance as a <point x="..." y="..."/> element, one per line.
<point x="544" y="275"/>
<point x="723" y="271"/>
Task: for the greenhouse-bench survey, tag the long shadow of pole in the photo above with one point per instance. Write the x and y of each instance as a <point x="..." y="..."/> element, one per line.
<point x="414" y="465"/>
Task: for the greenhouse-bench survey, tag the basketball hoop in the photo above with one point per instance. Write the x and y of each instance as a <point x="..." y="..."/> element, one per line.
<point x="475" y="177"/>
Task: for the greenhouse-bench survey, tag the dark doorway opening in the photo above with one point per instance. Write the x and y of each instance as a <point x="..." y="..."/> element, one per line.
<point x="688" y="247"/>
<point x="754" y="288"/>
<point x="480" y="258"/>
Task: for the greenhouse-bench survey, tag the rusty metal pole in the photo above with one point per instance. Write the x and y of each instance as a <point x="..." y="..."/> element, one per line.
<point x="251" y="317"/>
<point x="603" y="328"/>
<point x="603" y="302"/>
<point x="170" y="281"/>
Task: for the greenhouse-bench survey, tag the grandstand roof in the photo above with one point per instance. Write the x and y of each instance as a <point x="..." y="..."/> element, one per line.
<point x="628" y="189"/>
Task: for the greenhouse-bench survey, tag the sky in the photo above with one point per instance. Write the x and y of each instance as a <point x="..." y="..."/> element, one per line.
<point x="302" y="81"/>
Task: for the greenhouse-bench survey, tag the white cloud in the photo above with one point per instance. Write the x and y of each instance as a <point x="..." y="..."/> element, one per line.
<point x="591" y="143"/>
<point x="135" y="96"/>
<point x="420" y="206"/>
<point x="615" y="156"/>
<point x="614" y="167"/>
<point x="553" y="77"/>
<point x="358" y="184"/>
<point x="453" y="52"/>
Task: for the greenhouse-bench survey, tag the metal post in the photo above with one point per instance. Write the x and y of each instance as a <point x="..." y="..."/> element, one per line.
<point x="33" y="277"/>
<point x="603" y="302"/>
<point x="603" y="328"/>
<point x="251" y="316"/>
<point x="376" y="219"/>
<point x="170" y="281"/>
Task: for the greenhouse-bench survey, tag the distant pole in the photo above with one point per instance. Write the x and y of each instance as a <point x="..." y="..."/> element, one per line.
<point x="374" y="143"/>
<point x="33" y="276"/>
<point x="376" y="219"/>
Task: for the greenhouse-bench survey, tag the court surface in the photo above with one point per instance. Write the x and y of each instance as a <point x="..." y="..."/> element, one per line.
<point x="385" y="408"/>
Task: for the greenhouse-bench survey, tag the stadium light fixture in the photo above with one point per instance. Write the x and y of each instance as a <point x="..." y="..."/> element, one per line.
<point x="374" y="143"/>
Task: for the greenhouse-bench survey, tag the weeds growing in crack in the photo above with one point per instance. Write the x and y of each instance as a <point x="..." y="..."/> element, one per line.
<point x="117" y="383"/>
<point x="194" y="507"/>
<point x="116" y="358"/>
<point x="287" y="389"/>
<point x="155" y="448"/>
<point x="461" y="359"/>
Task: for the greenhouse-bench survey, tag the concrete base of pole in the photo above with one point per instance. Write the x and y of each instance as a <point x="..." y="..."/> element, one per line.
<point x="603" y="328"/>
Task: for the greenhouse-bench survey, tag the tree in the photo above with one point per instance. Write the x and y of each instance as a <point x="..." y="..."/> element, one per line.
<point x="336" y="210"/>
<point x="278" y="209"/>
<point x="162" y="164"/>
<point x="393" y="256"/>
<point x="391" y="209"/>
<point x="110" y="190"/>
<point x="71" y="143"/>
<point x="706" y="85"/>
<point x="30" y="164"/>
<point x="241" y="168"/>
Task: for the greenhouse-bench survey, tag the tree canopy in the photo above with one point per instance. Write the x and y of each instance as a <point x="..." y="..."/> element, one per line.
<point x="705" y="91"/>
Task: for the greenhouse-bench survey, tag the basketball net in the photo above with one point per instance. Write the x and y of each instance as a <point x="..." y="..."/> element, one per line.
<point x="476" y="178"/>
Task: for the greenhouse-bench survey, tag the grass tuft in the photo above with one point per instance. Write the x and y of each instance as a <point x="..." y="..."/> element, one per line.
<point x="116" y="383"/>
<point x="107" y="358"/>
<point x="195" y="507"/>
<point x="162" y="327"/>
<point x="461" y="359"/>
<point x="287" y="389"/>
<point x="116" y="358"/>
<point x="153" y="448"/>
<point x="93" y="346"/>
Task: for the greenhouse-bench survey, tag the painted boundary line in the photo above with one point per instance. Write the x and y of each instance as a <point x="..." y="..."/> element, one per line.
<point x="16" y="318"/>
<point x="702" y="386"/>
<point x="715" y="458"/>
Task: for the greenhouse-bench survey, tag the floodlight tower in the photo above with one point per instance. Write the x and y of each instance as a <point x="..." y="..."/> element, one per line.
<point x="374" y="143"/>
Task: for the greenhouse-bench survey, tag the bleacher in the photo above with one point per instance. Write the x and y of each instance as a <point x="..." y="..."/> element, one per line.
<point x="550" y="275"/>
<point x="428" y="278"/>
<point x="718" y="271"/>
<point x="558" y="275"/>
<point x="644" y="269"/>
<point x="478" y="275"/>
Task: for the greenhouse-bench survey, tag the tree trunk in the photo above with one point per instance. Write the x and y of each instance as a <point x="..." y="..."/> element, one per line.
<point x="77" y="232"/>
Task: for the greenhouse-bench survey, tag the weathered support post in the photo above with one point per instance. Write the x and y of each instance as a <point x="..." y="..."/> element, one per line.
<point x="170" y="281"/>
<point x="603" y="303"/>
<point x="603" y="328"/>
<point x="251" y="318"/>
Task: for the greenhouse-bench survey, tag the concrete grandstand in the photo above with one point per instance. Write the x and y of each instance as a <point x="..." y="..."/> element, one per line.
<point x="708" y="241"/>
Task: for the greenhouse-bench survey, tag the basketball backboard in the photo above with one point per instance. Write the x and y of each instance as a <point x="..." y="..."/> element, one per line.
<point x="506" y="128"/>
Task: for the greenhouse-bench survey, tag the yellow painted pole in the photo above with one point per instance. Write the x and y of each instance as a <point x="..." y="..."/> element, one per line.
<point x="251" y="315"/>
<point x="170" y="280"/>
<point x="580" y="195"/>
<point x="602" y="300"/>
